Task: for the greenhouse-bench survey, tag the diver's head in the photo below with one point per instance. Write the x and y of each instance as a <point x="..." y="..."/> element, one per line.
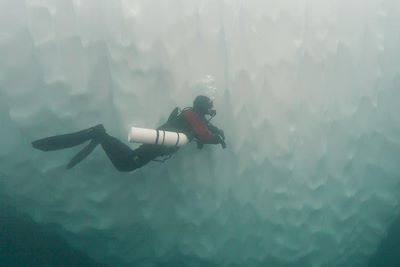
<point x="203" y="105"/>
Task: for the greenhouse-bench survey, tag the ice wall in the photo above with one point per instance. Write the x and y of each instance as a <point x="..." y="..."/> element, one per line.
<point x="307" y="93"/>
<point x="25" y="243"/>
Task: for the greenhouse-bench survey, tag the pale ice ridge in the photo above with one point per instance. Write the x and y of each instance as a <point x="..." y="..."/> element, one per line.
<point x="306" y="91"/>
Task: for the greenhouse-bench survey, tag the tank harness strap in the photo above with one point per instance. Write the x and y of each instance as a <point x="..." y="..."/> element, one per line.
<point x="177" y="139"/>
<point x="163" y="139"/>
<point x="158" y="136"/>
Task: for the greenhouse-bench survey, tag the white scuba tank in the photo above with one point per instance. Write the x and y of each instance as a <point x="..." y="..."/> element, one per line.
<point x="157" y="137"/>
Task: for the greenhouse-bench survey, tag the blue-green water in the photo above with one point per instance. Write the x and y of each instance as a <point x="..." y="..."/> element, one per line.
<point x="26" y="243"/>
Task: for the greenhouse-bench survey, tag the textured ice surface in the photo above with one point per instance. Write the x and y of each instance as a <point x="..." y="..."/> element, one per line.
<point x="307" y="92"/>
<point x="25" y="243"/>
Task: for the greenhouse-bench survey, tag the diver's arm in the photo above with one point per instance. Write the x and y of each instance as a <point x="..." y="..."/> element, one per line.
<point x="214" y="129"/>
<point x="219" y="134"/>
<point x="200" y="129"/>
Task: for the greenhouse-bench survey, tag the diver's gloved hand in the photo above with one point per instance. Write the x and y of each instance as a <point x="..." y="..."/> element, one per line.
<point x="221" y="133"/>
<point x="216" y="131"/>
<point x="221" y="141"/>
<point x="220" y="136"/>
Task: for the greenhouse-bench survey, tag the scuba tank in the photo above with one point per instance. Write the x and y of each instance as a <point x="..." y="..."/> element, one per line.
<point x="157" y="137"/>
<point x="168" y="134"/>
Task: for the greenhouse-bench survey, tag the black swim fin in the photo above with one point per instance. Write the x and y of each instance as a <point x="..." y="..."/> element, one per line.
<point x="83" y="153"/>
<point x="69" y="140"/>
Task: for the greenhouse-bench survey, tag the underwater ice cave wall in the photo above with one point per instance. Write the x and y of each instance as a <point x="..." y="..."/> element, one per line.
<point x="307" y="92"/>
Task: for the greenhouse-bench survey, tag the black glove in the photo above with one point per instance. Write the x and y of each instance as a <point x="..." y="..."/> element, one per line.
<point x="221" y="133"/>
<point x="220" y="136"/>
<point x="221" y="141"/>
<point x="215" y="130"/>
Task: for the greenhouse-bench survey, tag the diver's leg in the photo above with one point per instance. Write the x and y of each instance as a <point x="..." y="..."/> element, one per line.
<point x="124" y="158"/>
<point x="119" y="153"/>
<point x="69" y="140"/>
<point x="83" y="153"/>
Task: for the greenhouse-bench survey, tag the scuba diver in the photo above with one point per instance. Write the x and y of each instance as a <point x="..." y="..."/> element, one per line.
<point x="191" y="121"/>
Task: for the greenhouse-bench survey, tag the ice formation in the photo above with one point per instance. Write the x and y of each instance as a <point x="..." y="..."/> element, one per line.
<point x="307" y="92"/>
